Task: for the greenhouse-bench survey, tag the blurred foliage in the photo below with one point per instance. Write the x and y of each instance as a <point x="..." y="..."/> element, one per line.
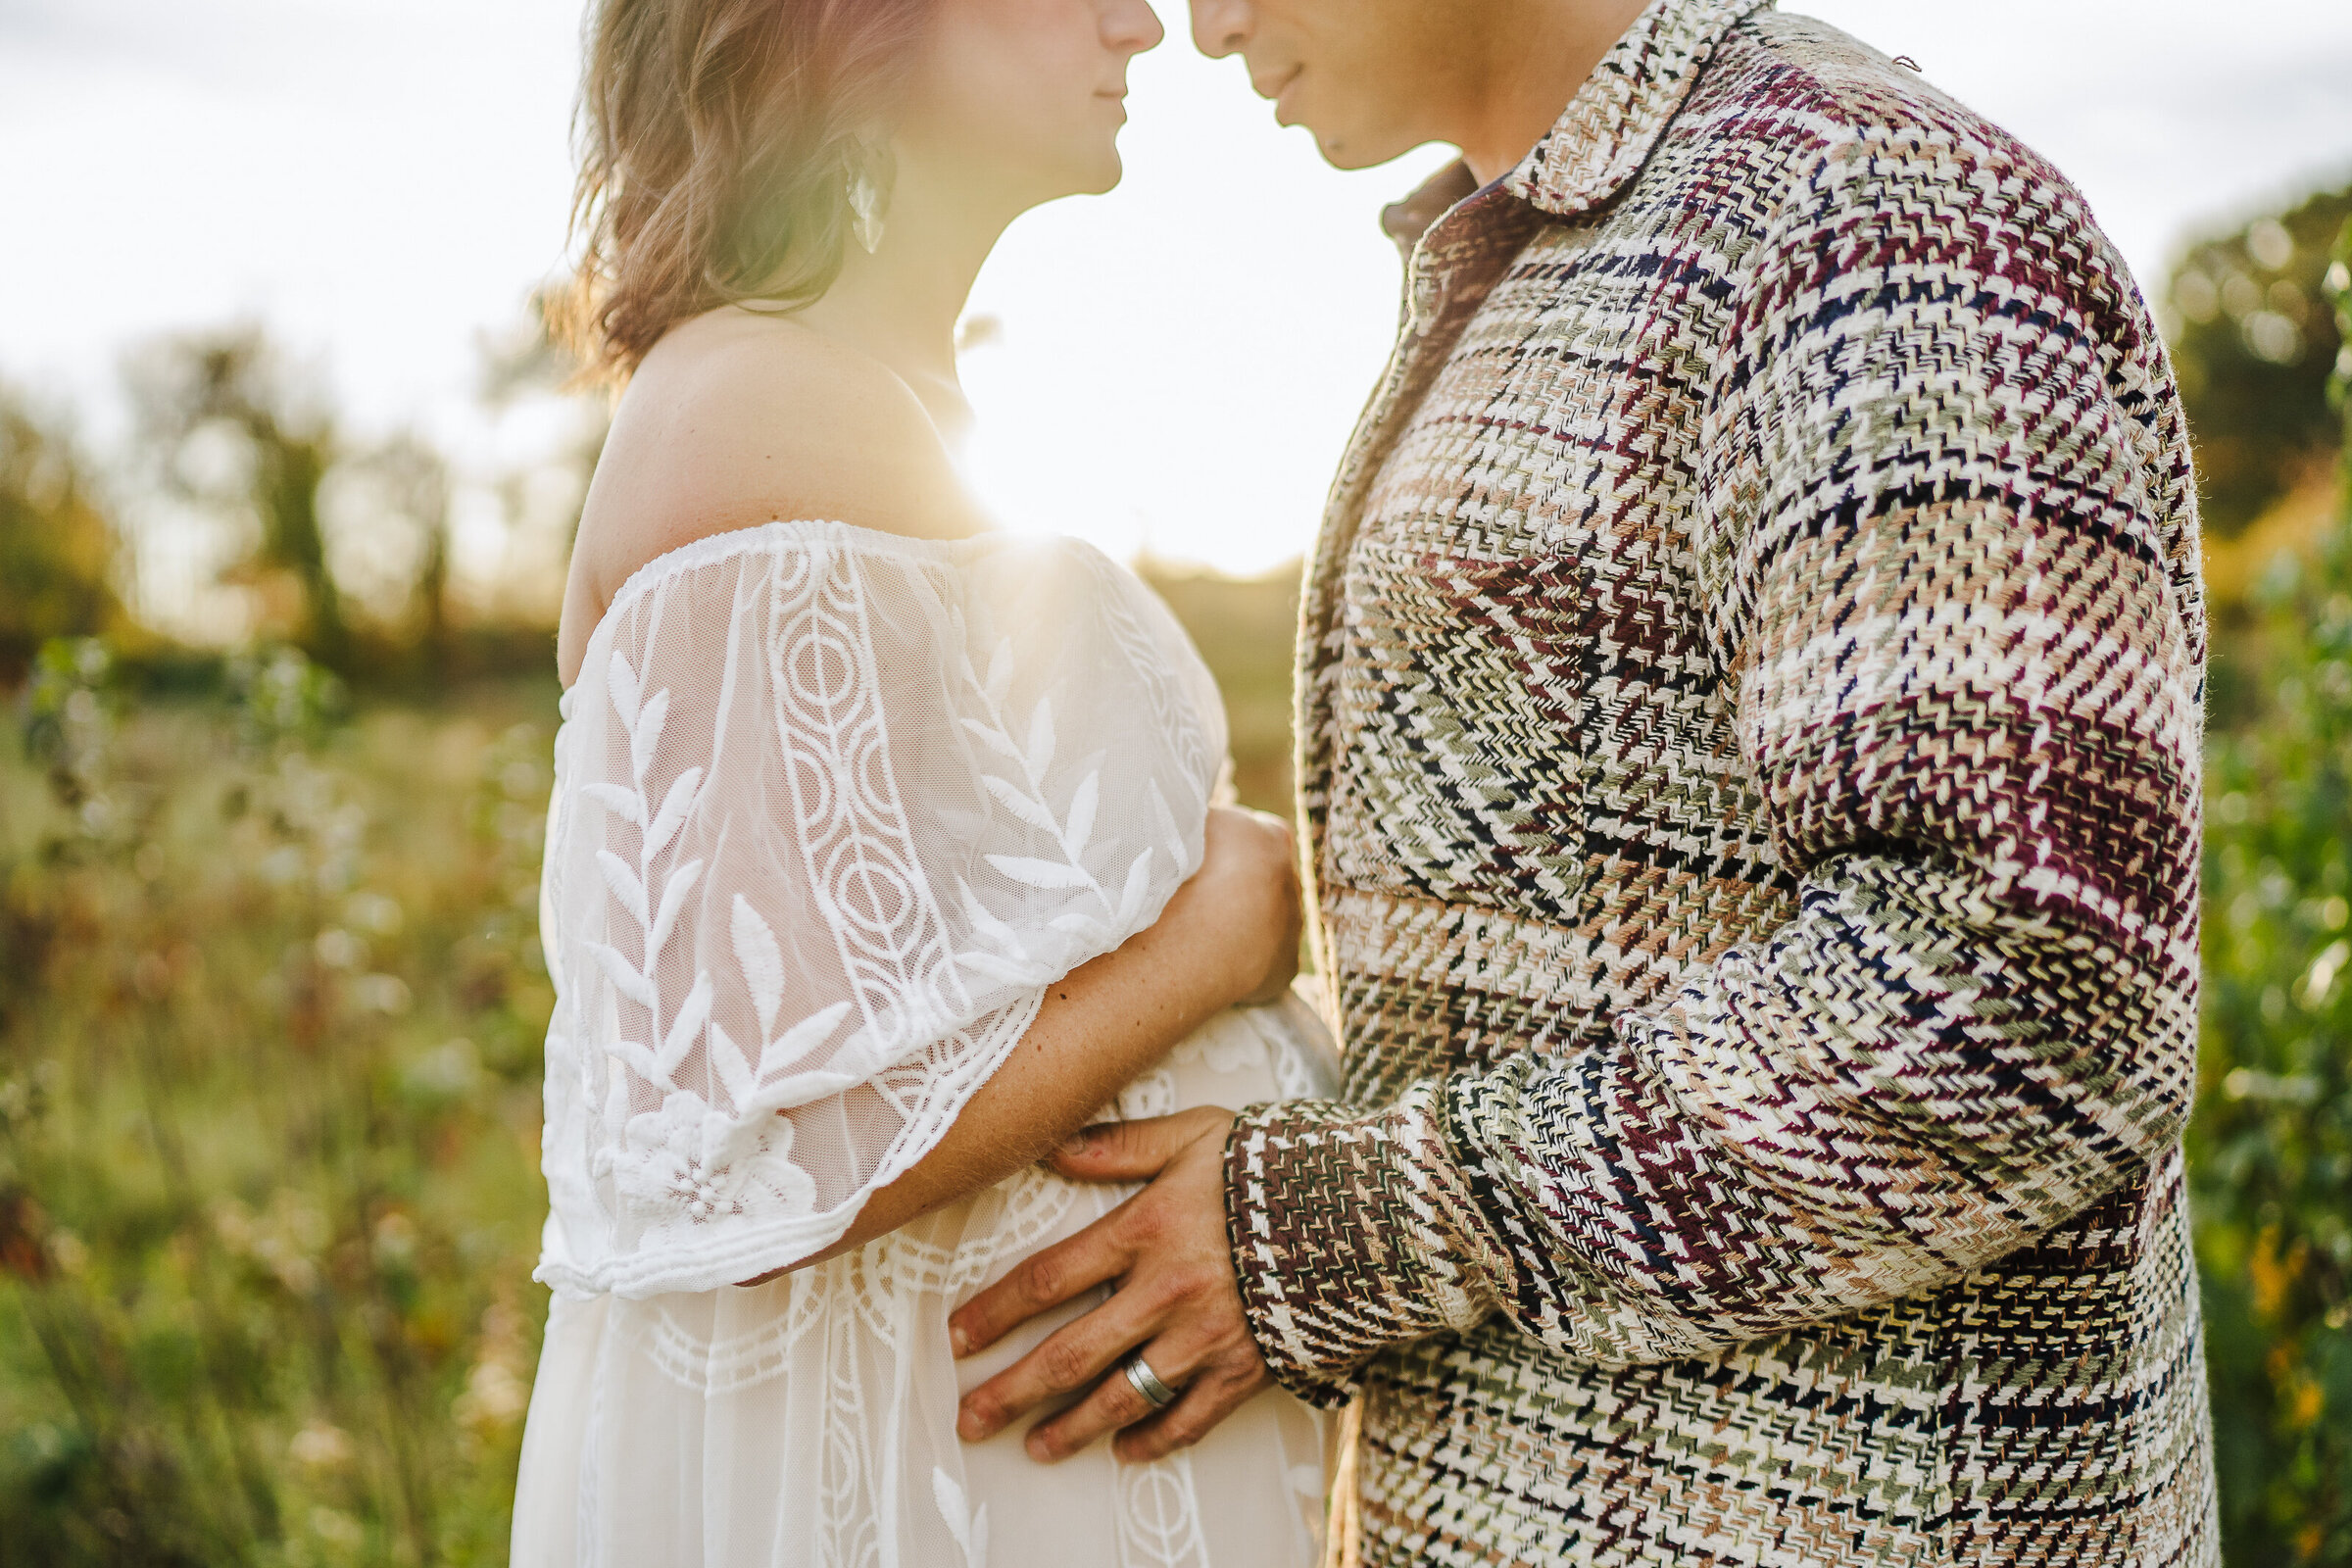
<point x="341" y="548"/>
<point x="528" y="361"/>
<point x="226" y="430"/>
<point x="396" y="497"/>
<point x="1245" y="629"/>
<point x="271" y="1003"/>
<point x="2271" y="1146"/>
<point x="2254" y="342"/>
<point x="57" y="546"/>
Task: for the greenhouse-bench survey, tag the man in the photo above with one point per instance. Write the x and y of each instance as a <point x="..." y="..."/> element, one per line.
<point x="1751" y="692"/>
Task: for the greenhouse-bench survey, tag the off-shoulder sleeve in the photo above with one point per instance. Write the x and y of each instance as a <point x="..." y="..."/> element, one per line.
<point x="831" y="811"/>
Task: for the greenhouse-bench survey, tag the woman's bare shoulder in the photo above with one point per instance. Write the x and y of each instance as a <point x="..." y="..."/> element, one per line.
<point x="733" y="422"/>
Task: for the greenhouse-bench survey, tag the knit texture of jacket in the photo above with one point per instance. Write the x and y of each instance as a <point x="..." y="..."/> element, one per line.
<point x="1751" y="700"/>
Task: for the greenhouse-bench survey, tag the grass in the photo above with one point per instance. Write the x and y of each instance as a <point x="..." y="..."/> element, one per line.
<point x="269" y="1015"/>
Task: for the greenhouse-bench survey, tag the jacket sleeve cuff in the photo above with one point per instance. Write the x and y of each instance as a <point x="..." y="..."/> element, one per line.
<point x="1342" y="1225"/>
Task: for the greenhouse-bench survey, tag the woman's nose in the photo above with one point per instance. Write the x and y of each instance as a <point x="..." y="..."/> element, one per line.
<point x="1132" y="26"/>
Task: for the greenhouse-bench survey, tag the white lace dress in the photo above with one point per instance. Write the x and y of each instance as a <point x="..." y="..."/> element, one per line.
<point x="831" y="809"/>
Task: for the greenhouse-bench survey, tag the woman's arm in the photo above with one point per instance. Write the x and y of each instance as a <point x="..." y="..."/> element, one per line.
<point x="1228" y="936"/>
<point x="736" y="420"/>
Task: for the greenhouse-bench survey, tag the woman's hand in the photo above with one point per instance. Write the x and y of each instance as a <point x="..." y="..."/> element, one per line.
<point x="1248" y="877"/>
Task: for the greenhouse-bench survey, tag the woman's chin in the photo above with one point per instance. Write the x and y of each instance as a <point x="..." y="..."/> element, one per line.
<point x="1090" y="179"/>
<point x="1088" y="173"/>
<point x="1106" y="170"/>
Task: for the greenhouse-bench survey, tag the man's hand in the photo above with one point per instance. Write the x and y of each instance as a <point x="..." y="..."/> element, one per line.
<point x="1176" y="1301"/>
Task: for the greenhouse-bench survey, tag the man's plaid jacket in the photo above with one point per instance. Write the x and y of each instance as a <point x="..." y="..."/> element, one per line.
<point x="1750" y="701"/>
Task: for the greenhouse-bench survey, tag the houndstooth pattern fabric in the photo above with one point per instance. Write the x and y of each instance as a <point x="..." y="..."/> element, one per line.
<point x="1751" y="685"/>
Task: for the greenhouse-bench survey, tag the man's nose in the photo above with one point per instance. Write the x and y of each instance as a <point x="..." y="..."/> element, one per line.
<point x="1220" y="26"/>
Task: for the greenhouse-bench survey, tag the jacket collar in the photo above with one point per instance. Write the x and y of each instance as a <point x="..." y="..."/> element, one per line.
<point x="1607" y="130"/>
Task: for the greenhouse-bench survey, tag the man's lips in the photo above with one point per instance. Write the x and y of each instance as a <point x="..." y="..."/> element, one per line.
<point x="1271" y="89"/>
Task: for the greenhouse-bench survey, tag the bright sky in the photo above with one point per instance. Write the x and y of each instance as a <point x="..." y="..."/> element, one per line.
<point x="382" y="181"/>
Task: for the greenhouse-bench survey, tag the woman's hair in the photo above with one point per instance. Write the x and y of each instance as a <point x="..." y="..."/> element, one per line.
<point x="718" y="138"/>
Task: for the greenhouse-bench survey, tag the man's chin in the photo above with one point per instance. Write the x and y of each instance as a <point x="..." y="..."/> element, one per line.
<point x="1346" y="152"/>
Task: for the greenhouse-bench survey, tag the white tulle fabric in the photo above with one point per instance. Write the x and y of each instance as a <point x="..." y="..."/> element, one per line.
<point x="810" y="1422"/>
<point x="831" y="809"/>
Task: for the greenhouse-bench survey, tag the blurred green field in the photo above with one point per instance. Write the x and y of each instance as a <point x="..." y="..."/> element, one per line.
<point x="269" y="1125"/>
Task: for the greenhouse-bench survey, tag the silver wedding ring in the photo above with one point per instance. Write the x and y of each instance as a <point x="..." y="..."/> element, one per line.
<point x="1158" y="1394"/>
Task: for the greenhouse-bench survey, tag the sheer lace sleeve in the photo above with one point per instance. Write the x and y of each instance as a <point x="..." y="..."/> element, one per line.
<point x="831" y="811"/>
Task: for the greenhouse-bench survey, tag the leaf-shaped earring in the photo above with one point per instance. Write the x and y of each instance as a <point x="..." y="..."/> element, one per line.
<point x="865" y="205"/>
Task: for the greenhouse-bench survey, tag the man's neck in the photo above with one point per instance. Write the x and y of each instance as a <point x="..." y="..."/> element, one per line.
<point x="1539" y="58"/>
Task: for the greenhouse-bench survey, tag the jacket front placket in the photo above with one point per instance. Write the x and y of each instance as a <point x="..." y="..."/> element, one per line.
<point x="1449" y="273"/>
<point x="1596" y="149"/>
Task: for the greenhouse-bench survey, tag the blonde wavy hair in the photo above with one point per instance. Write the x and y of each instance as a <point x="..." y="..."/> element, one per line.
<point x="718" y="139"/>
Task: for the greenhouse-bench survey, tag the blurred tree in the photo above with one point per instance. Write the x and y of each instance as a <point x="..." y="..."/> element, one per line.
<point x="386" y="510"/>
<point x="530" y="364"/>
<point x="57" y="546"/>
<point x="2270" y="1148"/>
<point x="2254" y="343"/>
<point x="420" y="478"/>
<point x="226" y="430"/>
<point x="346" y="548"/>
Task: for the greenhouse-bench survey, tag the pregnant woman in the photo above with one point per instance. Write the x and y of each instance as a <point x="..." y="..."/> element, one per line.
<point x="882" y="854"/>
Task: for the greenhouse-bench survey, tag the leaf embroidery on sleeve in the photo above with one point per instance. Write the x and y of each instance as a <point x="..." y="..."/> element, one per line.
<point x="1026" y="799"/>
<point x="1138" y="882"/>
<point x="1081" y="826"/>
<point x="1040" y="755"/>
<point x="762" y="961"/>
<point x="1020" y="804"/>
<point x="622" y="802"/>
<point x="674" y="898"/>
<point x="674" y="806"/>
<point x="627" y="889"/>
<point x="691" y="1157"/>
<point x="1039" y="873"/>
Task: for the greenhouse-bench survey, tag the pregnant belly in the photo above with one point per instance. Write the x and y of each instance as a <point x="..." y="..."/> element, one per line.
<point x="1238" y="1058"/>
<point x="829" y="1394"/>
